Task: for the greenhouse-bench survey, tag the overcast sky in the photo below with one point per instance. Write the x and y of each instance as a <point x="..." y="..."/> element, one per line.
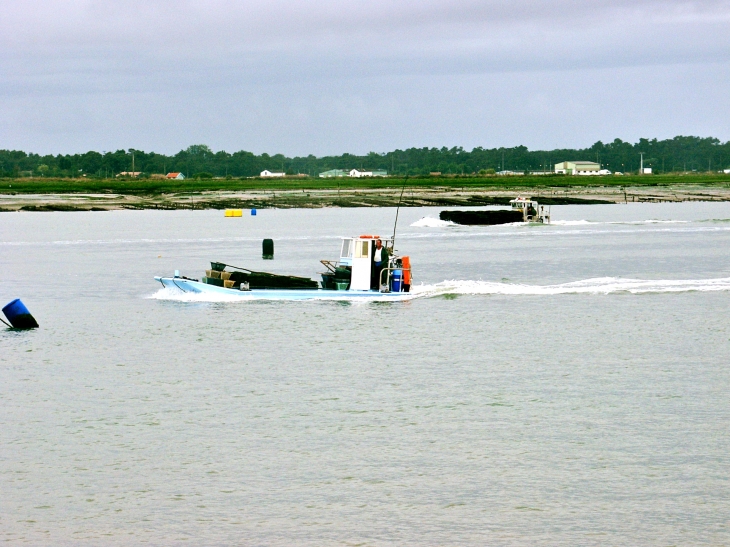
<point x="328" y="77"/>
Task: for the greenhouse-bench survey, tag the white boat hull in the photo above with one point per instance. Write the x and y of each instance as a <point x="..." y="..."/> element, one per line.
<point x="196" y="287"/>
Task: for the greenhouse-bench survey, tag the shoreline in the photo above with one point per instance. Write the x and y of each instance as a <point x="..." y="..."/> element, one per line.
<point x="432" y="196"/>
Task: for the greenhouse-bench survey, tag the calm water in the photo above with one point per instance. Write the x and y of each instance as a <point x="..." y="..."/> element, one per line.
<point x="563" y="384"/>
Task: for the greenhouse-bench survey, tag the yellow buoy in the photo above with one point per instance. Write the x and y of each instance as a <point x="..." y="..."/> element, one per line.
<point x="234" y="212"/>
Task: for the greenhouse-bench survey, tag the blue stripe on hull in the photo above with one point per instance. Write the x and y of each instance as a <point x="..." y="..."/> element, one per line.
<point x="188" y="286"/>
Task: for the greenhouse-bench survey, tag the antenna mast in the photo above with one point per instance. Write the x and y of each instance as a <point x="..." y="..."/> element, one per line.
<point x="398" y="209"/>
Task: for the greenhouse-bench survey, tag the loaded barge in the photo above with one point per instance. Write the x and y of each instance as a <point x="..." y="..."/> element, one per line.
<point x="522" y="210"/>
<point x="368" y="268"/>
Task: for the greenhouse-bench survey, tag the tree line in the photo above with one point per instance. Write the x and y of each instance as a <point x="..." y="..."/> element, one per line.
<point x="680" y="154"/>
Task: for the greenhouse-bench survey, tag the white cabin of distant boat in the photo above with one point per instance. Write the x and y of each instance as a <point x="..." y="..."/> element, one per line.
<point x="524" y="204"/>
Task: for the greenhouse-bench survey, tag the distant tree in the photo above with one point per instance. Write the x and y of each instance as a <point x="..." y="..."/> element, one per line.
<point x="677" y="154"/>
<point x="199" y="150"/>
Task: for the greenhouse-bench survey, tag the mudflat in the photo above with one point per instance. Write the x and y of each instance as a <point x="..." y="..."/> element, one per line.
<point x="102" y="195"/>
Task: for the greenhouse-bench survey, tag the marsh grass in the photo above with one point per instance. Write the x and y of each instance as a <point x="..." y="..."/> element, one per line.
<point x="156" y="187"/>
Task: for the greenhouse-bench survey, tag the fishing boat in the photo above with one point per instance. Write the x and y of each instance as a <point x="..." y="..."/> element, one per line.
<point x="521" y="210"/>
<point x="356" y="275"/>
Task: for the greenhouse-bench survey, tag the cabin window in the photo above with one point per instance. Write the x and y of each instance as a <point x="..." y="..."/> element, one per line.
<point x="362" y="249"/>
<point x="346" y="248"/>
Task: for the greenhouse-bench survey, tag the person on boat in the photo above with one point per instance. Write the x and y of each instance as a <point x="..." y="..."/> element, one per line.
<point x="380" y="261"/>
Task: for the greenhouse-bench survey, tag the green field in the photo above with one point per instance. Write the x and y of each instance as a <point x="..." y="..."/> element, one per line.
<point x="156" y="187"/>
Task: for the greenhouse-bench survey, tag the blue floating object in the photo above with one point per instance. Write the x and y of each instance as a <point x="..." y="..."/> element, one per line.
<point x="19" y="316"/>
<point x="253" y="212"/>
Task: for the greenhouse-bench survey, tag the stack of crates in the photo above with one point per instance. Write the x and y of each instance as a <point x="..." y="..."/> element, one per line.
<point x="218" y="277"/>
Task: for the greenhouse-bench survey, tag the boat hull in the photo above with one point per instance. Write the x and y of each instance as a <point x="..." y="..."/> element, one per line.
<point x="196" y="287"/>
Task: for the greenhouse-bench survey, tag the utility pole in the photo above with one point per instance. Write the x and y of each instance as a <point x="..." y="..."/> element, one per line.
<point x="641" y="169"/>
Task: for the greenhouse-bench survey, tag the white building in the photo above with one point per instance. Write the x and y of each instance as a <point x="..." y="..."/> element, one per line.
<point x="373" y="173"/>
<point x="176" y="176"/>
<point x="646" y="171"/>
<point x="508" y="173"/>
<point x="333" y="173"/>
<point x="357" y="173"/>
<point x="267" y="173"/>
<point x="578" y="168"/>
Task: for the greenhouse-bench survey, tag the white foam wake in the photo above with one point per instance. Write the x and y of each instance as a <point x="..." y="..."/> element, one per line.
<point x="599" y="285"/>
<point x="630" y="222"/>
<point x="572" y="222"/>
<point x="651" y="221"/>
<point x="177" y="295"/>
<point x="430" y="222"/>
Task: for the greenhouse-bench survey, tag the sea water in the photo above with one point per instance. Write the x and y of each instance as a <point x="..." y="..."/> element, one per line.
<point x="561" y="384"/>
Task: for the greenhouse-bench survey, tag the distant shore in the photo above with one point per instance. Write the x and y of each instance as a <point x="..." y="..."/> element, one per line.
<point x="84" y="195"/>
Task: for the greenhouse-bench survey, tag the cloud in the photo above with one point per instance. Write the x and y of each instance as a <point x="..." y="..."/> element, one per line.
<point x="72" y="56"/>
<point x="223" y="32"/>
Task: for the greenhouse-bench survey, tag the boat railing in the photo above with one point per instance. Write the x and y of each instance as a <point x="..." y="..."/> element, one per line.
<point x="388" y="273"/>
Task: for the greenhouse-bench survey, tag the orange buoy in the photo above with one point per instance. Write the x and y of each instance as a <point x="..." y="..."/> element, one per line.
<point x="406" y="270"/>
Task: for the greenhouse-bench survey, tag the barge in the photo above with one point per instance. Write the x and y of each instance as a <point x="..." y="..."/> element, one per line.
<point x="521" y="210"/>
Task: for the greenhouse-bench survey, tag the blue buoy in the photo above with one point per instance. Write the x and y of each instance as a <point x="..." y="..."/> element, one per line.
<point x="19" y="316"/>
<point x="253" y="212"/>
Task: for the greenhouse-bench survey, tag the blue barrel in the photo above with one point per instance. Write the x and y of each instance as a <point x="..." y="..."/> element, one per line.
<point x="19" y="316"/>
<point x="253" y="212"/>
<point x="397" y="280"/>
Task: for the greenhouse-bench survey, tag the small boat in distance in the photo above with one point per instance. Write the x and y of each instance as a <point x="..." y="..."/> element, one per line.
<point x="356" y="274"/>
<point x="522" y="210"/>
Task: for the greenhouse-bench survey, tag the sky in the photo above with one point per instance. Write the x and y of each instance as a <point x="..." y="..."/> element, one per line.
<point x="328" y="77"/>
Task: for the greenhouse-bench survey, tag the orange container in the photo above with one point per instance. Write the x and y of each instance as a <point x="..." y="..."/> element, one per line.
<point x="406" y="270"/>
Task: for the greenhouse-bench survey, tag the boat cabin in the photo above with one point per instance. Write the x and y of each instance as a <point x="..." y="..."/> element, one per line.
<point x="358" y="254"/>
<point x="356" y="270"/>
<point x="531" y="210"/>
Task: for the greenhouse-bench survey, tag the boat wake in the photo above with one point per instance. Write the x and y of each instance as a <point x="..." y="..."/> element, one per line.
<point x="181" y="296"/>
<point x="430" y="222"/>
<point x="628" y="222"/>
<point x="598" y="285"/>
